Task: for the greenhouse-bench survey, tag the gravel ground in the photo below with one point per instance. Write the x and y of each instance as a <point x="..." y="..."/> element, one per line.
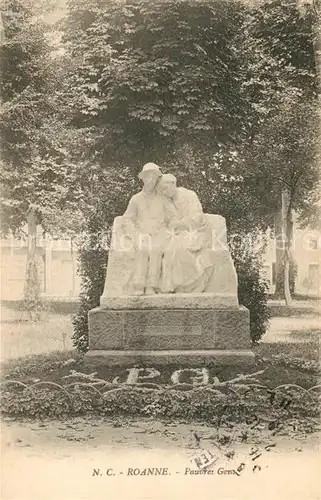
<point x="55" y="460"/>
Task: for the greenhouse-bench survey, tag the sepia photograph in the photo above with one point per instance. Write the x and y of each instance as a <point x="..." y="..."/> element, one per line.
<point x="160" y="249"/>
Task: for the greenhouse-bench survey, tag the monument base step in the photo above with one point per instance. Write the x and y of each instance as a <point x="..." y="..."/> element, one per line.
<point x="171" y="301"/>
<point x="206" y="357"/>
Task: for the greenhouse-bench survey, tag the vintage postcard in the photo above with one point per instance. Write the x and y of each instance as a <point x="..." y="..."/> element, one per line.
<point x="160" y="249"/>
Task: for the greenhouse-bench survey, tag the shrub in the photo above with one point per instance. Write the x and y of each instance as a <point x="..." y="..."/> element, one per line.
<point x="252" y="290"/>
<point x="252" y="294"/>
<point x="199" y="404"/>
<point x="301" y="364"/>
<point x="92" y="269"/>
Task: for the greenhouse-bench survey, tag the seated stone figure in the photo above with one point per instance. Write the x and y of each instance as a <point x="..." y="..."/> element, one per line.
<point x="187" y="265"/>
<point x="144" y="223"/>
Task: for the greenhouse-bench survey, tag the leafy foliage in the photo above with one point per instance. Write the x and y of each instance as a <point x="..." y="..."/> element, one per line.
<point x="252" y="291"/>
<point x="273" y="165"/>
<point x="200" y="404"/>
<point x="138" y="69"/>
<point x="292" y="362"/>
<point x="92" y="266"/>
<point x="23" y="61"/>
<point x="38" y="162"/>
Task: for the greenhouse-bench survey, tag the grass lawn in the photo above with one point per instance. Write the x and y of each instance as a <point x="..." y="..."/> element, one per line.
<point x="282" y="363"/>
<point x="20" y="338"/>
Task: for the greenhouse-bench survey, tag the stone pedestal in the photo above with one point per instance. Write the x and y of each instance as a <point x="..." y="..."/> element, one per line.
<point x="180" y="328"/>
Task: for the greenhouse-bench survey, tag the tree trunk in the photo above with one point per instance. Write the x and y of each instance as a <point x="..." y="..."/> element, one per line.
<point x="284" y="238"/>
<point x="74" y="270"/>
<point x="287" y="231"/>
<point x="317" y="43"/>
<point x="48" y="262"/>
<point x="317" y="54"/>
<point x="287" y="293"/>
<point x="32" y="285"/>
<point x="279" y="255"/>
<point x="2" y="33"/>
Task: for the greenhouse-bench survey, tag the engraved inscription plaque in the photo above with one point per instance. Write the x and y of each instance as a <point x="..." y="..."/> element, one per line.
<point x="175" y="324"/>
<point x="172" y="330"/>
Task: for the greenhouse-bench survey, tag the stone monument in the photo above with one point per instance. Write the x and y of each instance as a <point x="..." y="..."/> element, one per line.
<point x="170" y="295"/>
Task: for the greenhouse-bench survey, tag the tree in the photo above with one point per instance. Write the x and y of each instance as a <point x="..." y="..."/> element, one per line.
<point x="23" y="54"/>
<point x="35" y="168"/>
<point x="137" y="72"/>
<point x="281" y="154"/>
<point x="38" y="167"/>
<point x="23" y="51"/>
<point x="286" y="151"/>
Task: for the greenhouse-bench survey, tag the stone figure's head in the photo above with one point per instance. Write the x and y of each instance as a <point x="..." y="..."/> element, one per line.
<point x="167" y="185"/>
<point x="150" y="176"/>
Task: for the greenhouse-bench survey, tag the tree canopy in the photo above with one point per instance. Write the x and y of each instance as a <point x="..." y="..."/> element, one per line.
<point x="37" y="148"/>
<point x="192" y="85"/>
<point x="201" y="87"/>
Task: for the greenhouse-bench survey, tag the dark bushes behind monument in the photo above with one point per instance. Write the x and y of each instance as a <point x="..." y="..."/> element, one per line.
<point x="252" y="293"/>
<point x="92" y="269"/>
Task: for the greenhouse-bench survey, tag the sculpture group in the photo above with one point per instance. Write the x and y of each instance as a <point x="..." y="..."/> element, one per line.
<point x="170" y="294"/>
<point x="168" y="235"/>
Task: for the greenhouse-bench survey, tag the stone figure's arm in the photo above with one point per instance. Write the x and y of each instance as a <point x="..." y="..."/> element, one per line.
<point x="176" y="224"/>
<point x="130" y="216"/>
<point x="131" y="210"/>
<point x="171" y="217"/>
